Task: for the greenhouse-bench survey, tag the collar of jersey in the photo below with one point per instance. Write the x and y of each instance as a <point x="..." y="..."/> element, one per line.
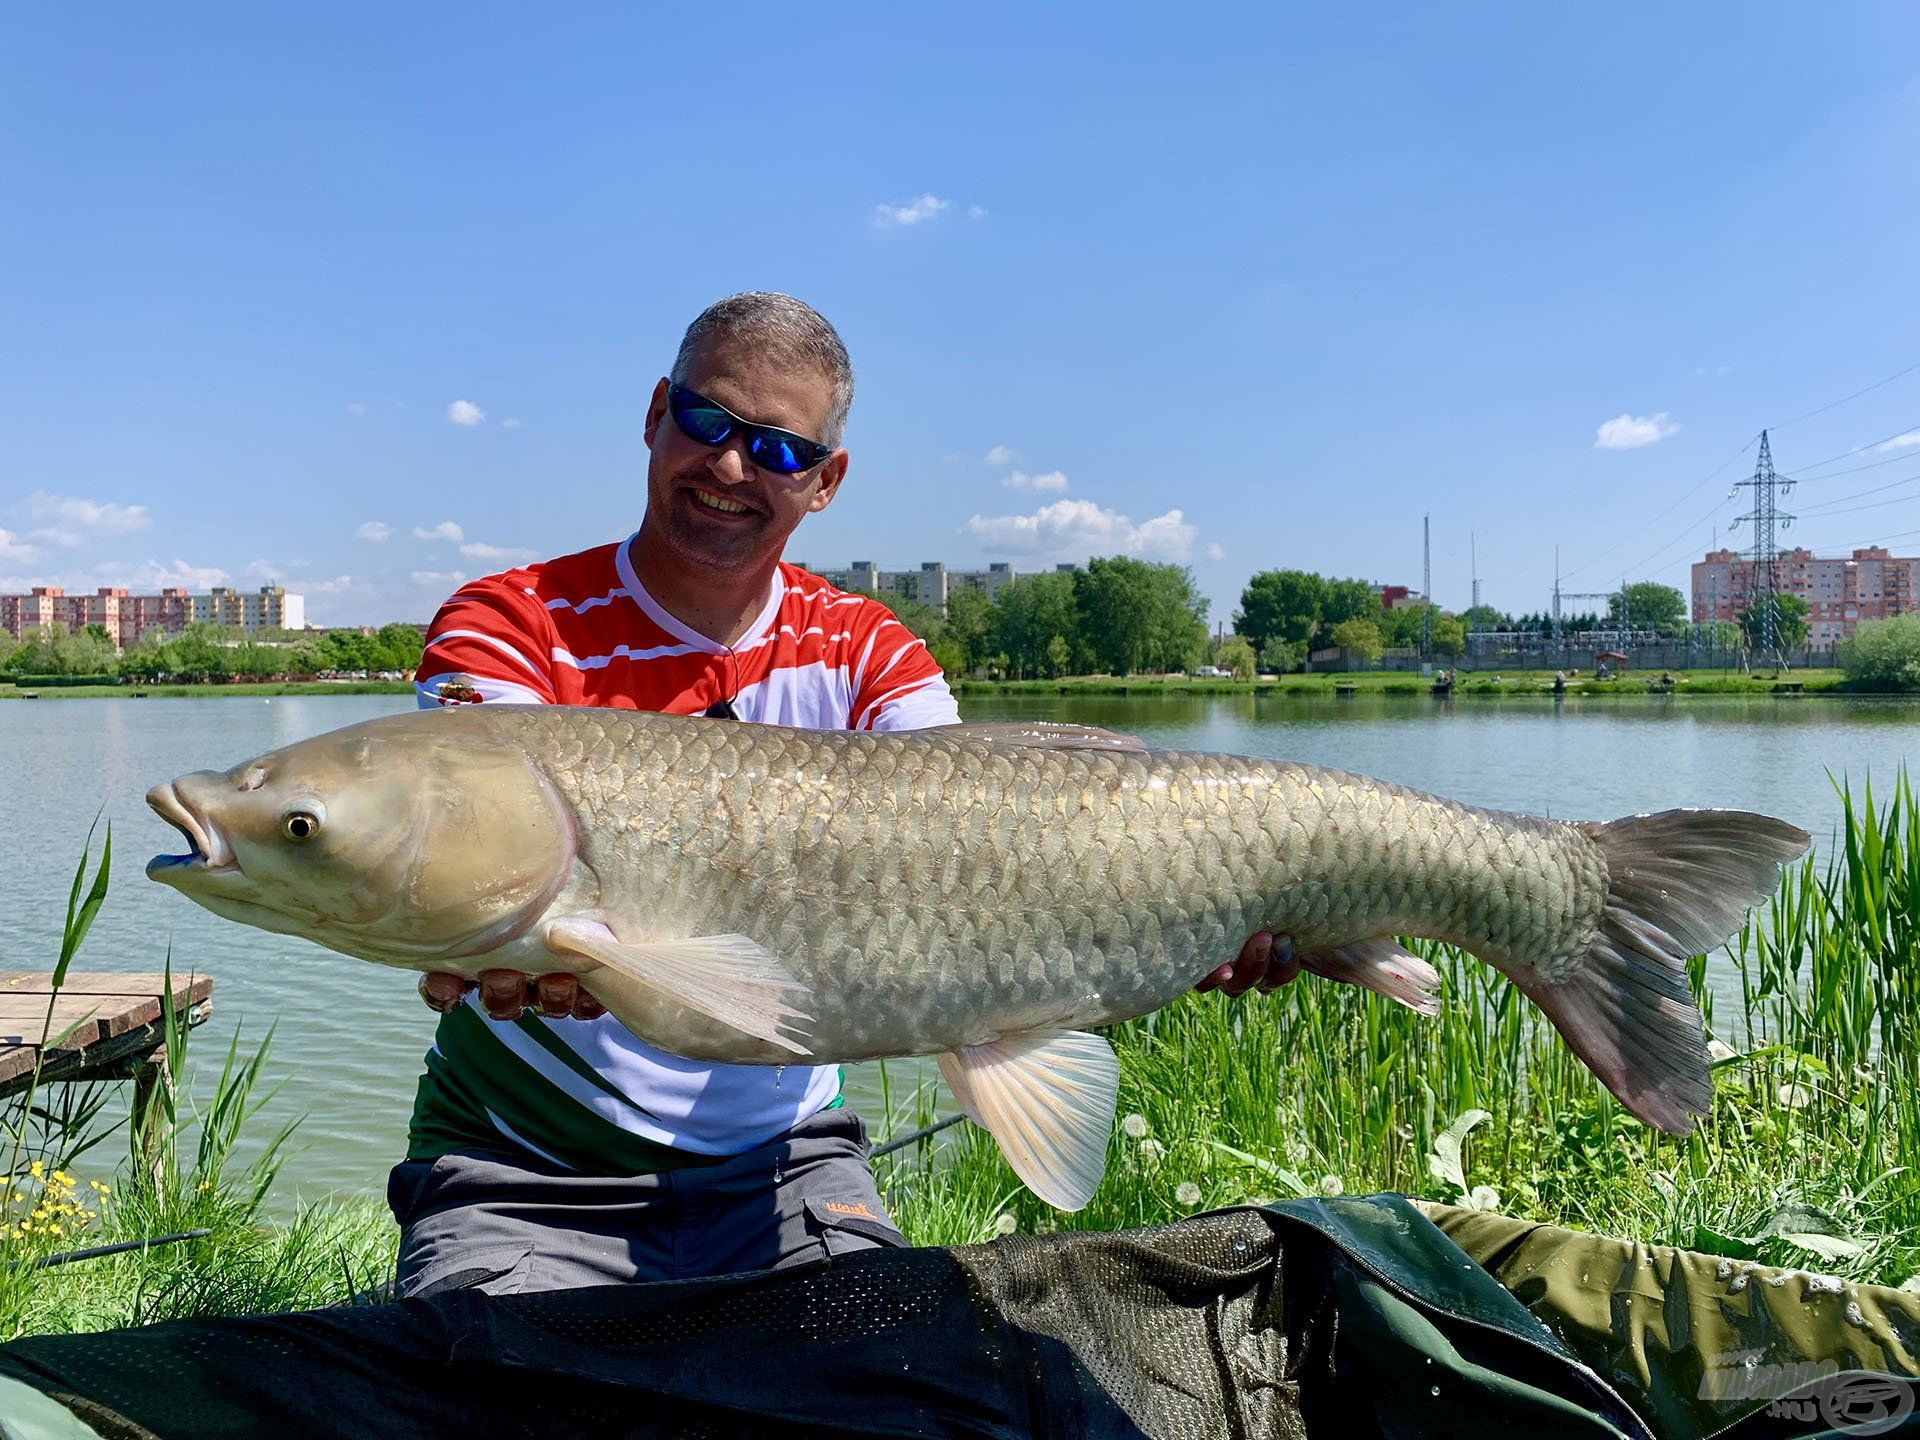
<point x="684" y="633"/>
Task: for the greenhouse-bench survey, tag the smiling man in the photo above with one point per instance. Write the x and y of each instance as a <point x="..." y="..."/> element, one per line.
<point x="551" y="1147"/>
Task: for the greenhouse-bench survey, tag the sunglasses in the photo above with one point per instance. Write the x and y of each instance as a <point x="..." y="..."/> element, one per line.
<point x="710" y="423"/>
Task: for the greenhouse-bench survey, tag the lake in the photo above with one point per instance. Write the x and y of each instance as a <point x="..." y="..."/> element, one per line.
<point x="350" y="1035"/>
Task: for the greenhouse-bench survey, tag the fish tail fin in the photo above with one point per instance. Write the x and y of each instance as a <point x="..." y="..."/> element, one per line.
<point x="1678" y="884"/>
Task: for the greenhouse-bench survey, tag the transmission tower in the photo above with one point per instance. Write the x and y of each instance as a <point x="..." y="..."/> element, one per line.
<point x="1765" y="517"/>
<point x="1426" y="585"/>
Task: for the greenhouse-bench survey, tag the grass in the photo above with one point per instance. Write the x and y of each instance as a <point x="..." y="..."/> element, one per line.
<point x="1808" y="1159"/>
<point x="1519" y="684"/>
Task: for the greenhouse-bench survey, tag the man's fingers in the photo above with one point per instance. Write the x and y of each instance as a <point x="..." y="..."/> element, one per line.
<point x="1283" y="968"/>
<point x="442" y="991"/>
<point x="1215" y="979"/>
<point x="1251" y="966"/>
<point x="557" y="994"/>
<point x="503" y="993"/>
<point x="585" y="1007"/>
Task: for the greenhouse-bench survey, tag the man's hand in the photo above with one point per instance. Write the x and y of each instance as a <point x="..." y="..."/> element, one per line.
<point x="1266" y="962"/>
<point x="505" y="993"/>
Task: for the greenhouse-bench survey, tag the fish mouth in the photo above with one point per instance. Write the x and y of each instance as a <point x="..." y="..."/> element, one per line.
<point x="208" y="853"/>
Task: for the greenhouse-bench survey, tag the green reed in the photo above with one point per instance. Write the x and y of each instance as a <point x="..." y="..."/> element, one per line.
<point x="1317" y="1088"/>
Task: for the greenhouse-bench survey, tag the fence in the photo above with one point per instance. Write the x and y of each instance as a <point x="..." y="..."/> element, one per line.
<point x="1569" y="656"/>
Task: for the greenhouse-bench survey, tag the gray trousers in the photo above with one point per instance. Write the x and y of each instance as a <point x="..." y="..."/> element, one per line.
<point x="491" y="1223"/>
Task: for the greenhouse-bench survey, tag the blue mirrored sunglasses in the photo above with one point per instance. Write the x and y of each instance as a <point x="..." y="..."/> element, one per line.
<point x="711" y="423"/>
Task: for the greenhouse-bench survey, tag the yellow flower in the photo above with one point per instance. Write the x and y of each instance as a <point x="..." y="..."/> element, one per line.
<point x="36" y="1169"/>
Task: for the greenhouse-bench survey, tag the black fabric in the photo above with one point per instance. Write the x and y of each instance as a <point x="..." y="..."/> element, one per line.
<point x="1350" y="1318"/>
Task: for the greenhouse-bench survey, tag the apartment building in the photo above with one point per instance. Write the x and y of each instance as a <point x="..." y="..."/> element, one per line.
<point x="1870" y="584"/>
<point x="126" y="616"/>
<point x="932" y="584"/>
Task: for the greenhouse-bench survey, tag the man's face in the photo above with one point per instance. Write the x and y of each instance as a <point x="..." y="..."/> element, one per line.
<point x="684" y="477"/>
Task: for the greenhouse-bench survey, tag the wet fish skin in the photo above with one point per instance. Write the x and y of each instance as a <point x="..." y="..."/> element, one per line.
<point x="755" y="894"/>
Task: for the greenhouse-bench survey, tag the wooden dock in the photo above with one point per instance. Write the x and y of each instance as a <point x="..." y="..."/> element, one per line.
<point x="112" y="1024"/>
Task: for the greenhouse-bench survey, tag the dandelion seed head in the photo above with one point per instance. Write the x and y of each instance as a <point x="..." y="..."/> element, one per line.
<point x="1135" y="1126"/>
<point x="1187" y="1193"/>
<point x="1005" y="1224"/>
<point x="1330" y="1185"/>
<point x="1152" y="1151"/>
<point x="1485" y="1197"/>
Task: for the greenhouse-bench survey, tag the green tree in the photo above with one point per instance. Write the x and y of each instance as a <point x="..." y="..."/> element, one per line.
<point x="1449" y="634"/>
<point x="1400" y="627"/>
<point x="1282" y="605"/>
<point x="195" y="654"/>
<point x="1236" y="658"/>
<point x="1029" y="614"/>
<point x="1349" y="600"/>
<point x="1883" y="654"/>
<point x="1485" y="617"/>
<point x="1361" y="639"/>
<point x="1646" y="602"/>
<point x="969" y="623"/>
<point x="1136" y="615"/>
<point x="1789" y="620"/>
<point x="1282" y="655"/>
<point x="400" y="646"/>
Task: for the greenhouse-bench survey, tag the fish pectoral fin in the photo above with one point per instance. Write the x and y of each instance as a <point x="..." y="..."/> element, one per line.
<point x="729" y="978"/>
<point x="1046" y="735"/>
<point x="1047" y="1097"/>
<point x="1382" y="965"/>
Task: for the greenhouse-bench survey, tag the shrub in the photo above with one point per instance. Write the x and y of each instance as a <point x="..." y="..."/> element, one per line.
<point x="1884" y="654"/>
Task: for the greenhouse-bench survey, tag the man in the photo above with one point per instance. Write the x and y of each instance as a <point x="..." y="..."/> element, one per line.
<point x="555" y="1148"/>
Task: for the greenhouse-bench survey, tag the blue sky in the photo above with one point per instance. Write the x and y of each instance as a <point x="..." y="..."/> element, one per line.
<point x="1299" y="274"/>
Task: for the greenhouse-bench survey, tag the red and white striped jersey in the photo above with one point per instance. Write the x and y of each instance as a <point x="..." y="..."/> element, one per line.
<point x="582" y="630"/>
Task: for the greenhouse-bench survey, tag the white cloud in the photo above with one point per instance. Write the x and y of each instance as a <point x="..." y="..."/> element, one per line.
<point x="465" y="412"/>
<point x="1075" y="529"/>
<point x="149" y="575"/>
<point x="475" y="550"/>
<point x="445" y="530"/>
<point x="357" y="410"/>
<point x="12" y="547"/>
<point x="71" y="521"/>
<point x="1000" y="455"/>
<point x="510" y="423"/>
<point x="976" y="212"/>
<point x="264" y="570"/>
<point x="437" y="579"/>
<point x="1630" y="432"/>
<point x="911" y="213"/>
<point x="1053" y="480"/>
<point x="327" y="587"/>
<point x="1214" y="552"/>
<point x="374" y="530"/>
<point x="1900" y="442"/>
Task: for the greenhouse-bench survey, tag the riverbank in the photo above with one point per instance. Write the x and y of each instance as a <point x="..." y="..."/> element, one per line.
<point x="239" y="690"/>
<point x="1524" y="685"/>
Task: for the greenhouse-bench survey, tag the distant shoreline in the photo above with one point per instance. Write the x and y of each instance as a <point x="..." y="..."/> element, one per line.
<point x="1534" y="685"/>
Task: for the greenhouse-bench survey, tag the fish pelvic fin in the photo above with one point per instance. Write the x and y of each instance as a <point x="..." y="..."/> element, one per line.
<point x="1678" y="884"/>
<point x="1047" y="1098"/>
<point x="729" y="978"/>
<point x="1381" y="964"/>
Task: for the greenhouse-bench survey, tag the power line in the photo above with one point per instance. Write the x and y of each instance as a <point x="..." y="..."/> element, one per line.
<point x="1856" y="469"/>
<point x="1825" y="506"/>
<point x="1649" y="524"/>
<point x="1845" y="398"/>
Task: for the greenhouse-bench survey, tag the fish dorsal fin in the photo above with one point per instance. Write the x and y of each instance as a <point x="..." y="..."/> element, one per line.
<point x="729" y="978"/>
<point x="1047" y="1098"/>
<point x="1047" y="735"/>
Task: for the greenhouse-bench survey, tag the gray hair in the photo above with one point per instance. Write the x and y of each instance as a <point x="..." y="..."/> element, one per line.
<point x="786" y="329"/>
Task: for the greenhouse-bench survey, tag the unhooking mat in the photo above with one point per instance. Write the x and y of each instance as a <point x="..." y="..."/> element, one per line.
<point x="1339" y="1318"/>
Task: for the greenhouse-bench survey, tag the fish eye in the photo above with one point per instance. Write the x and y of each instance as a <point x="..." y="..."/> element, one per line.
<point x="298" y="825"/>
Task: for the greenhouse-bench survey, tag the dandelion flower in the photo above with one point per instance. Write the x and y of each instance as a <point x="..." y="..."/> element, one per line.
<point x="1330" y="1185"/>
<point x="1484" y="1197"/>
<point x="1187" y="1193"/>
<point x="1152" y="1151"/>
<point x="1005" y="1224"/>
<point x="1135" y="1125"/>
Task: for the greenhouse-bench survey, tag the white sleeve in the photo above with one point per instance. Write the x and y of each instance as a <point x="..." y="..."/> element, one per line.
<point x="458" y="688"/>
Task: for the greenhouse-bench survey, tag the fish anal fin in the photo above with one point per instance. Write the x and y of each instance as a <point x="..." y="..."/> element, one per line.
<point x="1380" y="964"/>
<point x="1047" y="1098"/>
<point x="729" y="978"/>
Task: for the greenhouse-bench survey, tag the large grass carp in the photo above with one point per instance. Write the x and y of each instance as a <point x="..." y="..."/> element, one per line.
<point x="983" y="893"/>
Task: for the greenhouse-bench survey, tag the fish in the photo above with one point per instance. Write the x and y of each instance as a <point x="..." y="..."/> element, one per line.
<point x="988" y="894"/>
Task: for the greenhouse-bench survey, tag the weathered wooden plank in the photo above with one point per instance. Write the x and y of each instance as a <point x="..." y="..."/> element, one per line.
<point x="186" y="988"/>
<point x="109" y="1058"/>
